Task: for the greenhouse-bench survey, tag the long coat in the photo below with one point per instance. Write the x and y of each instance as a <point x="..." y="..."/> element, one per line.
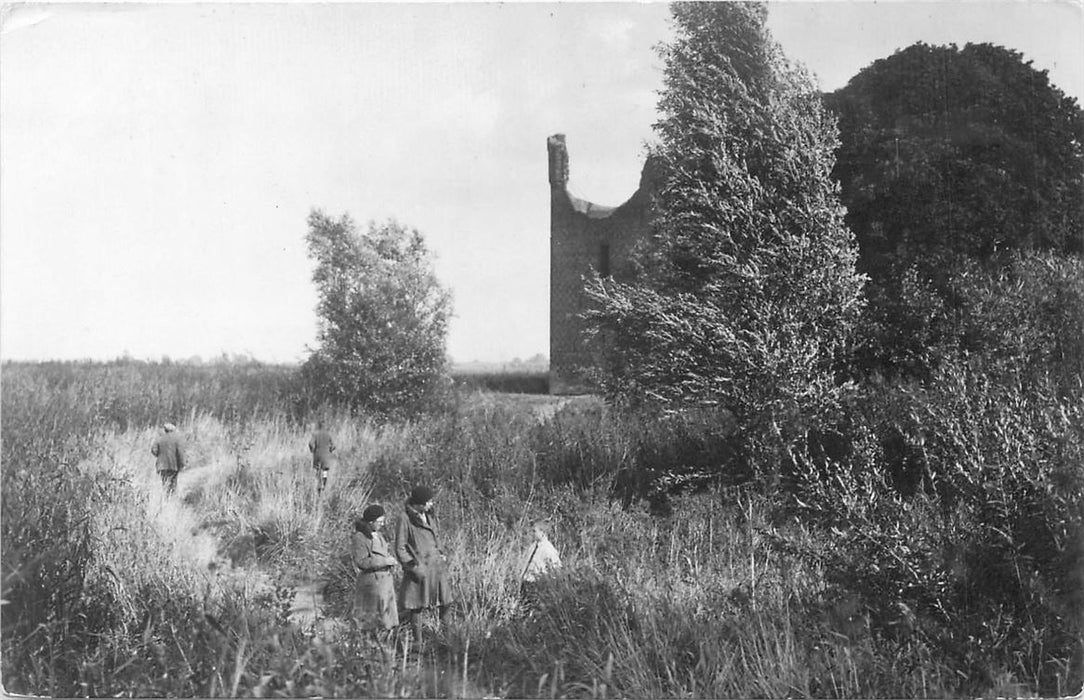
<point x="374" y="589"/>
<point x="425" y="574"/>
<point x="321" y="446"/>
<point x="170" y="455"/>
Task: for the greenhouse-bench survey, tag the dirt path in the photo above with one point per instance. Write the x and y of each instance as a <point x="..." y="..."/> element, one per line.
<point x="308" y="603"/>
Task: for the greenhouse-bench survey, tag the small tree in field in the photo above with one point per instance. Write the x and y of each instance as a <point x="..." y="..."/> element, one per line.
<point x="383" y="317"/>
<point x="748" y="294"/>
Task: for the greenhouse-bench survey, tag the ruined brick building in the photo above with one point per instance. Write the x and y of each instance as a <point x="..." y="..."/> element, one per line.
<point x="584" y="236"/>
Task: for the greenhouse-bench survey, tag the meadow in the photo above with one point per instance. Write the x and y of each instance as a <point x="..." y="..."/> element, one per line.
<point x="713" y="590"/>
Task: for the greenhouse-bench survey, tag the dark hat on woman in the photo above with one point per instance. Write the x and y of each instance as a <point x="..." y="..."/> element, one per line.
<point x="420" y="495"/>
<point x="372" y="513"/>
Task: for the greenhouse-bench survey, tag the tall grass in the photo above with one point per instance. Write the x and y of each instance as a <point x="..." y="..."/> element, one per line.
<point x="88" y="573"/>
<point x="50" y="396"/>
<point x="113" y="589"/>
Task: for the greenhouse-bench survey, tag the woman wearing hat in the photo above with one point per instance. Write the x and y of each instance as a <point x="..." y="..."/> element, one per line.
<point x="417" y="545"/>
<point x="374" y="592"/>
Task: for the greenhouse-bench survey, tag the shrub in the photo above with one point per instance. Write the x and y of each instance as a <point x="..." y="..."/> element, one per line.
<point x="982" y="563"/>
<point x="1024" y="317"/>
<point x="639" y="454"/>
<point x="383" y="318"/>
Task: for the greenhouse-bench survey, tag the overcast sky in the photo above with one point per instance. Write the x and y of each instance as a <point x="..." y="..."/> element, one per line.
<point x="158" y="162"/>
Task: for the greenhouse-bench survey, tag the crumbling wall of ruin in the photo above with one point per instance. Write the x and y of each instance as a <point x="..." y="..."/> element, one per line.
<point x="584" y="236"/>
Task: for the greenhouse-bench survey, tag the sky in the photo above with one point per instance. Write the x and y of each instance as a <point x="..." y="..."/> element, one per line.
<point x="158" y="161"/>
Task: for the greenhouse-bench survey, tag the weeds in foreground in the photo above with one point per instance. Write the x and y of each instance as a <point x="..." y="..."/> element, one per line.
<point x="113" y="589"/>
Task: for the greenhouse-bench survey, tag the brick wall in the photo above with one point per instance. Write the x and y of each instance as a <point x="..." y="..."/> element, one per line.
<point x="580" y="232"/>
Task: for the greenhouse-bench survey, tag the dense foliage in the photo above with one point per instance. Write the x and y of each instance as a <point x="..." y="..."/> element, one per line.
<point x="1026" y="315"/>
<point x="747" y="296"/>
<point x="383" y="317"/>
<point x="947" y="151"/>
<point x="951" y="162"/>
<point x="958" y="513"/>
<point x="957" y="522"/>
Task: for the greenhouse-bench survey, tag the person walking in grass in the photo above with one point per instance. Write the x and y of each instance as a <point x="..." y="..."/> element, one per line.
<point x="321" y="446"/>
<point x="417" y="546"/>
<point x="169" y="457"/>
<point x="374" y="590"/>
<point x="540" y="558"/>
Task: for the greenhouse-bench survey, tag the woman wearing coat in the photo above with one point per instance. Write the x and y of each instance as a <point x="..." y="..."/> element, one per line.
<point x="425" y="573"/>
<point x="374" y="592"/>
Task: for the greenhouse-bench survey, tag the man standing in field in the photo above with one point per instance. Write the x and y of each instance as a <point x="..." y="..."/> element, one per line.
<point x="321" y="446"/>
<point x="169" y="457"/>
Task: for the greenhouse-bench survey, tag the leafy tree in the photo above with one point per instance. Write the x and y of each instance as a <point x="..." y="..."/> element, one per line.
<point x="951" y="158"/>
<point x="747" y="293"/>
<point x="960" y="502"/>
<point x="947" y="152"/>
<point x="383" y="316"/>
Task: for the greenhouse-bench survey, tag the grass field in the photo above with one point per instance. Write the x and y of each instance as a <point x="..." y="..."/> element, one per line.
<point x="110" y="589"/>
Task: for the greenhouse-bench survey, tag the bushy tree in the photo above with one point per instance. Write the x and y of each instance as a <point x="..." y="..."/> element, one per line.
<point x="958" y="514"/>
<point x="1025" y="316"/>
<point x="947" y="152"/>
<point x="747" y="293"/>
<point x="951" y="158"/>
<point x="965" y="533"/>
<point x="383" y="317"/>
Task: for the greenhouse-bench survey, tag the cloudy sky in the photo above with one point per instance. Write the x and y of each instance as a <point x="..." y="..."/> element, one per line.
<point x="158" y="161"/>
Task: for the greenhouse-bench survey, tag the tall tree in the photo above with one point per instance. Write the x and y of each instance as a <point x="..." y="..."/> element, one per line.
<point x="951" y="158"/>
<point x="383" y="316"/>
<point x="748" y="295"/>
<point x="948" y="152"/>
